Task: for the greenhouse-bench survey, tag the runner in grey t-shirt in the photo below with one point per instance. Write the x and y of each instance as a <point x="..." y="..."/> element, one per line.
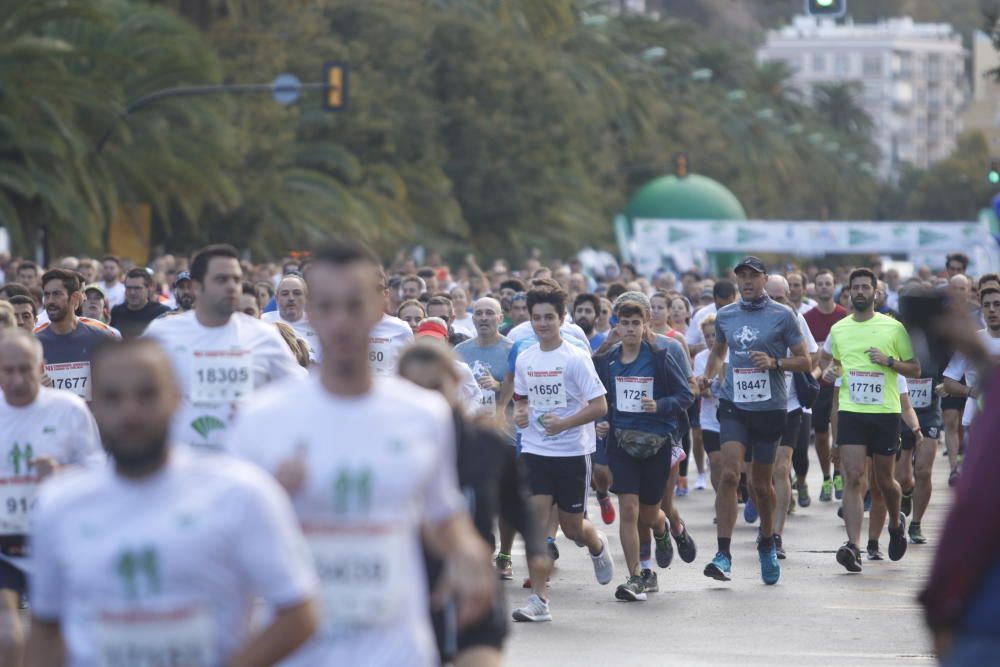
<point x="753" y="336"/>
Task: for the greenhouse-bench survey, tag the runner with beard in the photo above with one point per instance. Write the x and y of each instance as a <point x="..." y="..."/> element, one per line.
<point x="291" y="298"/>
<point x="585" y="309"/>
<point x="183" y="292"/>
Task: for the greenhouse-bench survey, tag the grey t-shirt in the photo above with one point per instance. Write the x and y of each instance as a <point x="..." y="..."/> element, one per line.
<point x="676" y="352"/>
<point x="772" y="330"/>
<point x="482" y="360"/>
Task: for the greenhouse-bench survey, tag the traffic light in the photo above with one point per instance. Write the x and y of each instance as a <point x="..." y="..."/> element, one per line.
<point x="826" y="8"/>
<point x="681" y="165"/>
<point x="335" y="79"/>
<point x="994" y="175"/>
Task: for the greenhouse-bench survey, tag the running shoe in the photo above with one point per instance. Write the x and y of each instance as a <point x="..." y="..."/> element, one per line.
<point x="906" y="503"/>
<point x="604" y="567"/>
<point x="850" y="557"/>
<point x="701" y="482"/>
<point x="664" y="549"/>
<point x="686" y="547"/>
<point x="607" y="509"/>
<point x="536" y="611"/>
<point x="650" y="583"/>
<point x="632" y="590"/>
<point x="770" y="571"/>
<point x="953" y="478"/>
<point x="505" y="568"/>
<point x="897" y="539"/>
<point x="868" y="501"/>
<point x="916" y="535"/>
<point x="838" y="486"/>
<point x="749" y="511"/>
<point x="779" y="548"/>
<point x="721" y="568"/>
<point x="553" y="549"/>
<point x="874" y="552"/>
<point x="826" y="493"/>
<point x="804" y="499"/>
<point x="682" y="487"/>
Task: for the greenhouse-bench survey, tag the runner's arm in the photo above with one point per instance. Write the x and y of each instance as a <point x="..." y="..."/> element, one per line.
<point x="716" y="358"/>
<point x="908" y="369"/>
<point x="291" y="627"/>
<point x="45" y="644"/>
<point x="594" y="410"/>
<point x="909" y="415"/>
<point x="468" y="577"/>
<point x="799" y="361"/>
<point x="679" y="395"/>
<point x="957" y="389"/>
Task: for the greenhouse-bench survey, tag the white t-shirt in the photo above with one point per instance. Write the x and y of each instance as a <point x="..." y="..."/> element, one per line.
<point x="385" y="343"/>
<point x="304" y="331"/>
<point x="959" y="367"/>
<point x="465" y="326"/>
<point x="468" y="389"/>
<point x="378" y="466"/>
<point x="115" y="292"/>
<point x="57" y="424"/>
<point x="218" y="368"/>
<point x="709" y="404"/>
<point x="812" y="348"/>
<point x="560" y="382"/>
<point x="174" y="560"/>
<point x="694" y="336"/>
<point x="524" y="330"/>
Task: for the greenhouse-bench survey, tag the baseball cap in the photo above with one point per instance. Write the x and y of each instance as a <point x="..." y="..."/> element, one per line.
<point x="182" y="276"/>
<point x="96" y="287"/>
<point x="433" y="327"/>
<point x="751" y="262"/>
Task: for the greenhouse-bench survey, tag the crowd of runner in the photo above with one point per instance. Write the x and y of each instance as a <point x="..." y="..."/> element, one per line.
<point x="328" y="461"/>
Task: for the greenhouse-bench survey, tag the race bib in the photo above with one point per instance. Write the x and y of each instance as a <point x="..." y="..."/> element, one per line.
<point x="629" y="392"/>
<point x="221" y="376"/>
<point x="488" y="401"/>
<point x="920" y="389"/>
<point x="866" y="387"/>
<point x="182" y="638"/>
<point x="361" y="575"/>
<point x="546" y="389"/>
<point x="17" y="504"/>
<point x="380" y="356"/>
<point x="74" y="376"/>
<point x="751" y="385"/>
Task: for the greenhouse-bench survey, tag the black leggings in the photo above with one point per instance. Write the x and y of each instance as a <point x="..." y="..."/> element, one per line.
<point x="800" y="457"/>
<point x="686" y="444"/>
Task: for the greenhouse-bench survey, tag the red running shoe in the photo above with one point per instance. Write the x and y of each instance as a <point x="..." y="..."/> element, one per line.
<point x="607" y="509"/>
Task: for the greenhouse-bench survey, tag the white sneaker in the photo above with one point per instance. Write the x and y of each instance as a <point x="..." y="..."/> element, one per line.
<point x="604" y="567"/>
<point x="700" y="484"/>
<point x="537" y="610"/>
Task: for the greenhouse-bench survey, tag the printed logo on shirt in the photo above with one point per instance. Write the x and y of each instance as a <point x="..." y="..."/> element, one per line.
<point x="21" y="457"/>
<point x="747" y="336"/>
<point x="139" y="571"/>
<point x="48" y="429"/>
<point x="352" y="491"/>
<point x="206" y="424"/>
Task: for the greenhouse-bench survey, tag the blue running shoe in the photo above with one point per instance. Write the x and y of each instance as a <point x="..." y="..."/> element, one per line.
<point x="749" y="511"/>
<point x="770" y="571"/>
<point x="721" y="568"/>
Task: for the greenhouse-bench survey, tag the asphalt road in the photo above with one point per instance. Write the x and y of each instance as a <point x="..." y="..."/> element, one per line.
<point x="817" y="615"/>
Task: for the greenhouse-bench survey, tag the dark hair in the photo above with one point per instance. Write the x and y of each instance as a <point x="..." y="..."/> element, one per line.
<point x="862" y="273"/>
<point x="545" y="283"/>
<point x="111" y="258"/>
<point x="723" y="289"/>
<point x="961" y="258"/>
<point x="615" y="290"/>
<point x="442" y="300"/>
<point x="513" y="284"/>
<point x="631" y="309"/>
<point x="249" y="289"/>
<point x="27" y="264"/>
<point x="341" y="253"/>
<point x="15" y="289"/>
<point x="691" y="272"/>
<point x="982" y="293"/>
<point x="409" y="303"/>
<point x="986" y="278"/>
<point x="556" y="297"/>
<point x="426" y="272"/>
<point x="824" y="272"/>
<point x="69" y="279"/>
<point x="201" y="259"/>
<point x="796" y="273"/>
<point x="22" y="299"/>
<point x="139" y="272"/>
<point x="630" y="267"/>
<point x="266" y="285"/>
<point x="587" y="297"/>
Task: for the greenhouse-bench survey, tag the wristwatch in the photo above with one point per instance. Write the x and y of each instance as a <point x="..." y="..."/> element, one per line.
<point x="777" y="363"/>
<point x="890" y="362"/>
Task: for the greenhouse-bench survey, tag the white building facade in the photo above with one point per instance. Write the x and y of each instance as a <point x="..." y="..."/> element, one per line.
<point x="913" y="77"/>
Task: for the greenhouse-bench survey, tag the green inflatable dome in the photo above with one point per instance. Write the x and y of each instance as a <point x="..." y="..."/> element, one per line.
<point x="692" y="197"/>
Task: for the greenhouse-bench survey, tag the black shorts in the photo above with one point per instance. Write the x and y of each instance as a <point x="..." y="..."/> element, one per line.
<point x="565" y="478"/>
<point x="822" y="409"/>
<point x="646" y="478"/>
<point x="793" y="424"/>
<point x="711" y="441"/>
<point x="879" y="433"/>
<point x="491" y="631"/>
<point x="758" y="432"/>
<point x="953" y="403"/>
<point x="694" y="414"/>
<point x="12" y="579"/>
<point x="932" y="431"/>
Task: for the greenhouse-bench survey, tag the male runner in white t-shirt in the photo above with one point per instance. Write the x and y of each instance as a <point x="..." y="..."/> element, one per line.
<point x="388" y="337"/>
<point x="370" y="466"/>
<point x="220" y="356"/>
<point x="158" y="558"/>
<point x="291" y="298"/>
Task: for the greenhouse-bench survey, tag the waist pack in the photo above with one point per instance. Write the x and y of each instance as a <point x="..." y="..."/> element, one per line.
<point x="640" y="444"/>
<point x="807" y="389"/>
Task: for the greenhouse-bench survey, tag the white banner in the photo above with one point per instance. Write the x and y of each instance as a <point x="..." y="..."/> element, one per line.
<point x="654" y="239"/>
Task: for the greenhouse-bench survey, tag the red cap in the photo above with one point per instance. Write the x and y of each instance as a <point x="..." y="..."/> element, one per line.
<point x="432" y="328"/>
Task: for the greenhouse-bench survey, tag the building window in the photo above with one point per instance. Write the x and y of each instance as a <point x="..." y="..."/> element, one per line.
<point x="842" y="64"/>
<point x="819" y="62"/>
<point x="871" y="66"/>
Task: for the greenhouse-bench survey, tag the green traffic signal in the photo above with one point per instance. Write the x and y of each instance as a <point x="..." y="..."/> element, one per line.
<point x="994" y="177"/>
<point x="826" y="8"/>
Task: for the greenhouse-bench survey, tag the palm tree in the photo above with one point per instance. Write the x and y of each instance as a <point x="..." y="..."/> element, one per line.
<point x="837" y="104"/>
